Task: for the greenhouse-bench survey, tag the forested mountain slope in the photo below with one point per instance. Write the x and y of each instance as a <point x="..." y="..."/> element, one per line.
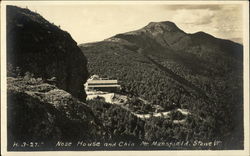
<point x="173" y="69"/>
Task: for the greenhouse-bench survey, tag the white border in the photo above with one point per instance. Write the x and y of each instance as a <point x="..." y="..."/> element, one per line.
<point x="244" y="152"/>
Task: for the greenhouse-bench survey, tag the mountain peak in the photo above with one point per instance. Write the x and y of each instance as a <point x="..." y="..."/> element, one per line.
<point x="162" y="26"/>
<point x="165" y="33"/>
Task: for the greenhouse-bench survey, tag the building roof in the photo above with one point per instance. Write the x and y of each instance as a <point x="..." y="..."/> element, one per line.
<point x="103" y="86"/>
<point x="102" y="82"/>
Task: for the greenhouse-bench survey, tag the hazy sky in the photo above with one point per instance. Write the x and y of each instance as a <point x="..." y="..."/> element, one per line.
<point x="95" y="22"/>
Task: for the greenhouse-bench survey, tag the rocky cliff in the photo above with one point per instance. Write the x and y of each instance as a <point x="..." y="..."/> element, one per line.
<point x="37" y="46"/>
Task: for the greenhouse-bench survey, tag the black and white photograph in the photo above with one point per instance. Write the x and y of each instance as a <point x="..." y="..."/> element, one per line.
<point x="125" y="76"/>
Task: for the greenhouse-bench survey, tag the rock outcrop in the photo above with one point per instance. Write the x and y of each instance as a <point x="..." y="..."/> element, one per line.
<point x="38" y="111"/>
<point x="37" y="46"/>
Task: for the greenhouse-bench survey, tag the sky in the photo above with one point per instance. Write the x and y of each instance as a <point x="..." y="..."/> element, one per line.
<point x="96" y="22"/>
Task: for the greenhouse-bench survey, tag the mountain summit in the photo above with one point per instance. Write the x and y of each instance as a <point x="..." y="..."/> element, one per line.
<point x="157" y="28"/>
<point x="165" y="25"/>
<point x="165" y="34"/>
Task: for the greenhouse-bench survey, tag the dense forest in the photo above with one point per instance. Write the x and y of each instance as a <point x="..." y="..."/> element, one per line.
<point x="197" y="72"/>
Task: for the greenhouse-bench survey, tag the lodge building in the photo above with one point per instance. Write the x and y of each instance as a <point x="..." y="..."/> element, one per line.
<point x="102" y="85"/>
